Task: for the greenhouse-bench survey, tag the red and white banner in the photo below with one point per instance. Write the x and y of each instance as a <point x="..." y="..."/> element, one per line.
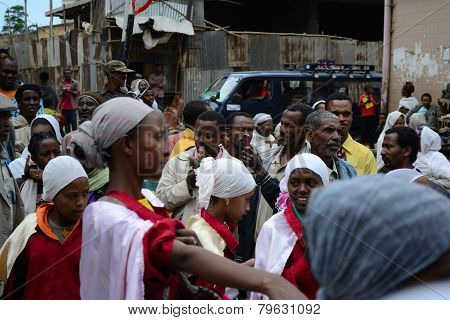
<point x="140" y="5"/>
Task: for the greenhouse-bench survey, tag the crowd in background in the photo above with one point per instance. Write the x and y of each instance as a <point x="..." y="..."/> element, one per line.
<point x="122" y="194"/>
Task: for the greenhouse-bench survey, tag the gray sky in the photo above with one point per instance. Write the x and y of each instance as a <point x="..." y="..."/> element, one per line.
<point x="36" y="10"/>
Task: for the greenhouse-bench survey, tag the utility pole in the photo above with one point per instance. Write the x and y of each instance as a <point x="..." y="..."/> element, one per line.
<point x="26" y="18"/>
<point x="127" y="32"/>
<point x="51" y="18"/>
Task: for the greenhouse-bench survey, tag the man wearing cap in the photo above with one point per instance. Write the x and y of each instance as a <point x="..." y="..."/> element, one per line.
<point x="116" y="71"/>
<point x="11" y="205"/>
<point x="263" y="141"/>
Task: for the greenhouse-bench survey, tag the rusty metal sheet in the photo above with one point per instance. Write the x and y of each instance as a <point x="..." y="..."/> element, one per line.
<point x="343" y="51"/>
<point x="361" y="53"/>
<point x="237" y="51"/>
<point x="196" y="81"/>
<point x="193" y="58"/>
<point x="264" y="52"/>
<point x="213" y="55"/>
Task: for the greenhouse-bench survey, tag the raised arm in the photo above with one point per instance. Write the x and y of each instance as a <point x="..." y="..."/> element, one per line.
<point x="217" y="269"/>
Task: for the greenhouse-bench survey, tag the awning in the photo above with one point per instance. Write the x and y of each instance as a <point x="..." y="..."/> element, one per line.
<point x="72" y="9"/>
<point x="168" y="16"/>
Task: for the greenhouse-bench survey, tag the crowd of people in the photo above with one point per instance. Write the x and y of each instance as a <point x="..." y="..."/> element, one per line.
<point x="136" y="199"/>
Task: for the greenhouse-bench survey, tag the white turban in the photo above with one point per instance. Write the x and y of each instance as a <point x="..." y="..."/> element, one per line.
<point x="116" y="117"/>
<point x="407" y="175"/>
<point x="317" y="103"/>
<point x="261" y="117"/>
<point x="59" y="173"/>
<point x="223" y="178"/>
<point x="305" y="161"/>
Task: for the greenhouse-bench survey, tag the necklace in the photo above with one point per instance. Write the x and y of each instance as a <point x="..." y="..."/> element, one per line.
<point x="297" y="213"/>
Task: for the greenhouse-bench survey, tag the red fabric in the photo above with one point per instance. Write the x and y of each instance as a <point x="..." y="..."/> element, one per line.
<point x="297" y="270"/>
<point x="365" y="103"/>
<point x="225" y="231"/>
<point x="159" y="273"/>
<point x="47" y="269"/>
<point x="66" y="101"/>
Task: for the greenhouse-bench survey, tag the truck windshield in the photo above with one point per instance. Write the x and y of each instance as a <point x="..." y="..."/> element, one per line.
<point x="221" y="88"/>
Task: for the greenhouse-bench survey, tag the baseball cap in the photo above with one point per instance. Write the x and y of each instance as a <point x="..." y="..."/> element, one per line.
<point x="116" y="66"/>
<point x="6" y="104"/>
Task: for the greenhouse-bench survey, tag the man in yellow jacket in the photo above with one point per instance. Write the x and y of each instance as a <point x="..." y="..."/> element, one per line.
<point x="186" y="138"/>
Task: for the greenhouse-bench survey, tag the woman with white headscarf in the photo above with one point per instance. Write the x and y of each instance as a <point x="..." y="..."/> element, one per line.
<point x="48" y="240"/>
<point x="225" y="188"/>
<point x="280" y="247"/>
<point x="42" y="123"/>
<point x="131" y="248"/>
<point x="394" y="119"/>
<point x="433" y="164"/>
<point x="398" y="240"/>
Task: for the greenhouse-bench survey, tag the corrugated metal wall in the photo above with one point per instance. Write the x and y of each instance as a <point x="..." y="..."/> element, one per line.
<point x="210" y="54"/>
<point x="80" y="52"/>
<point x="213" y="53"/>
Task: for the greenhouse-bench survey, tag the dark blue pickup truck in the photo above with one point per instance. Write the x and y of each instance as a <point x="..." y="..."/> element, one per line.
<point x="271" y="91"/>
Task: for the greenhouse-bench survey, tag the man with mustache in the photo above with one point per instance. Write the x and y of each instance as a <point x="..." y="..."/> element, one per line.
<point x="176" y="188"/>
<point x="323" y="131"/>
<point x="358" y="155"/>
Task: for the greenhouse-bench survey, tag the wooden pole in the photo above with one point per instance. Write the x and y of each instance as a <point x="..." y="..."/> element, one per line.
<point x="64" y="15"/>
<point x="51" y="18"/>
<point x="91" y="11"/>
<point x="26" y="18"/>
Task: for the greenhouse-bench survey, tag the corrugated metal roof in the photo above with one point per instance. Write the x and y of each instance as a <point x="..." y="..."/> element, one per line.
<point x="168" y="16"/>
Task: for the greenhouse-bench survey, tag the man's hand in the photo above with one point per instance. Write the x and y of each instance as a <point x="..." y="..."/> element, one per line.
<point x="188" y="237"/>
<point x="252" y="161"/>
<point x="190" y="180"/>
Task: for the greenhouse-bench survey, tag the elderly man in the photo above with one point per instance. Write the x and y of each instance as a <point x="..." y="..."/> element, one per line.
<point x="323" y="131"/>
<point x="117" y="72"/>
<point x="359" y="156"/>
<point x="292" y="141"/>
<point x="11" y="206"/>
<point x="176" y="188"/>
<point x="263" y="141"/>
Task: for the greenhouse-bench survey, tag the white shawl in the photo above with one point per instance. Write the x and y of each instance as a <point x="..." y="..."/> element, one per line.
<point x="433" y="164"/>
<point x="112" y="255"/>
<point x="274" y="247"/>
<point x="28" y="192"/>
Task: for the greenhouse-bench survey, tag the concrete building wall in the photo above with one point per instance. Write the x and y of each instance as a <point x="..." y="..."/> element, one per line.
<point x="420" y="48"/>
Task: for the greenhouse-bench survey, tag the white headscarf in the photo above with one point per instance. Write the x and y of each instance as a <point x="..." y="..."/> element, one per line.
<point x="433" y="164"/>
<point x="223" y="178"/>
<point x="302" y="161"/>
<point x="390" y="122"/>
<point x="407" y="175"/>
<point x="17" y="166"/>
<point x="317" y="103"/>
<point x="53" y="122"/>
<point x="305" y="161"/>
<point x="116" y="117"/>
<point x="59" y="173"/>
<point x="261" y="118"/>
